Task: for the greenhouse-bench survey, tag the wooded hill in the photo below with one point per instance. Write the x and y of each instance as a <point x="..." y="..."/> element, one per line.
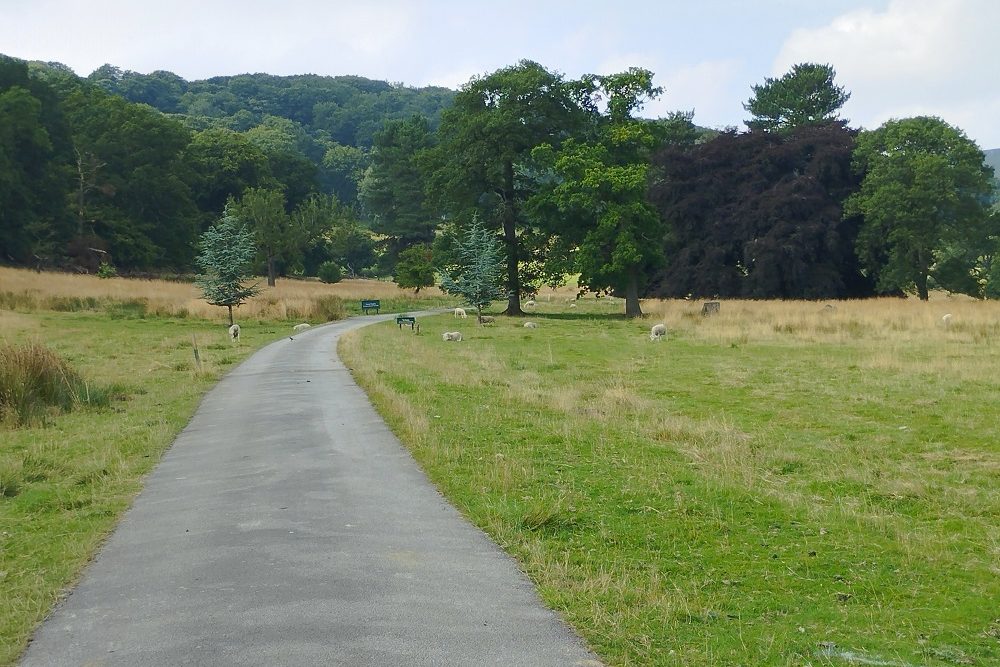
<point x="126" y="171"/>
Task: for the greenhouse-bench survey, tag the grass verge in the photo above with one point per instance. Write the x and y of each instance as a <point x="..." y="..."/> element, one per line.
<point x="780" y="485"/>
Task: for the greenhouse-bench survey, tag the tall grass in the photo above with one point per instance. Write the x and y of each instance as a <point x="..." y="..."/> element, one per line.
<point x="300" y="300"/>
<point x="35" y="382"/>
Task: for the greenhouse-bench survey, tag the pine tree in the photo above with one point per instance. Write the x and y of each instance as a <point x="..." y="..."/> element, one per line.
<point x="480" y="272"/>
<point x="227" y="253"/>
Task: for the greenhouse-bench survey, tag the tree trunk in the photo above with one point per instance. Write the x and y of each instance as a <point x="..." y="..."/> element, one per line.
<point x="925" y="268"/>
<point x="271" y="273"/>
<point x="632" y="308"/>
<point x="510" y="238"/>
<point x="922" y="287"/>
<point x="230" y="315"/>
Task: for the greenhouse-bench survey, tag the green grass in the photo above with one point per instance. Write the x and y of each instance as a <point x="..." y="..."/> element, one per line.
<point x="823" y="494"/>
<point x="67" y="479"/>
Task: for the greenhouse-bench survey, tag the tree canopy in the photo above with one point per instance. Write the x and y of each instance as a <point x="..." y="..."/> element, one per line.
<point x="127" y="170"/>
<point x="759" y="215"/>
<point x="596" y="199"/>
<point x="804" y="95"/>
<point x="925" y="200"/>
<point x="485" y="141"/>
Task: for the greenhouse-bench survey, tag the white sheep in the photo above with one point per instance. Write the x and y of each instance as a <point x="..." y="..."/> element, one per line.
<point x="946" y="319"/>
<point x="234" y="333"/>
<point x="460" y="313"/>
<point x="452" y="335"/>
<point x="530" y="304"/>
<point x="530" y="325"/>
<point x="658" y="331"/>
<point x="300" y="327"/>
<point x="572" y="305"/>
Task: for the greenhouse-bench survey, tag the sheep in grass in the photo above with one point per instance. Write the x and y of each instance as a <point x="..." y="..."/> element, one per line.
<point x="946" y="320"/>
<point x="234" y="333"/>
<point x="452" y="335"/>
<point x="530" y="325"/>
<point x="487" y="319"/>
<point x="657" y="332"/>
<point x="300" y="327"/>
<point x="460" y="313"/>
<point x="530" y="304"/>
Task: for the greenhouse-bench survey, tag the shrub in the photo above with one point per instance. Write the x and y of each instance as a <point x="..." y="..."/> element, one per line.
<point x="415" y="267"/>
<point x="35" y="381"/>
<point x="106" y="270"/>
<point x="329" y="272"/>
<point x="329" y="308"/>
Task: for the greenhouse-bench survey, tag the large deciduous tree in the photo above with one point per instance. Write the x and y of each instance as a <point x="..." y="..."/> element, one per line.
<point x="263" y="210"/>
<point x="760" y="215"/>
<point x="486" y="138"/>
<point x="596" y="200"/>
<point x="925" y="193"/>
<point x="804" y="95"/>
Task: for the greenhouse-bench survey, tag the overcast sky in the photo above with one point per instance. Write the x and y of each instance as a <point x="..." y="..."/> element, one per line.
<point x="898" y="58"/>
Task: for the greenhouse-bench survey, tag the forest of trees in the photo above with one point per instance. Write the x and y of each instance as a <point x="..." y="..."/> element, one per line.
<point x="127" y="171"/>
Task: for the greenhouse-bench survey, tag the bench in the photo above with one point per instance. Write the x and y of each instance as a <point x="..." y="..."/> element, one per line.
<point x="370" y="304"/>
<point x="409" y="321"/>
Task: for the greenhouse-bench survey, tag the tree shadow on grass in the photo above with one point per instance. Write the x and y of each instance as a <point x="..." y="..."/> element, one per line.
<point x="577" y="316"/>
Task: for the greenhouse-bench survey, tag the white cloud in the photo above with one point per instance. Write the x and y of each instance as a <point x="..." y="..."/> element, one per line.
<point x="934" y="57"/>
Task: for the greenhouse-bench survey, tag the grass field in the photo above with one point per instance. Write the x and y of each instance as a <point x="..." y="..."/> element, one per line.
<point x="781" y="484"/>
<point x="65" y="481"/>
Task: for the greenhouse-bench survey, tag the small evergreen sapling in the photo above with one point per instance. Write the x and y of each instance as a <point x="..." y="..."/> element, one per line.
<point x="479" y="274"/>
<point x="227" y="253"/>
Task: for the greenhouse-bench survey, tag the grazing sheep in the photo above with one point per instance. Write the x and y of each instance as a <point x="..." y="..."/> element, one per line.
<point x="452" y="335"/>
<point x="487" y="319"/>
<point x="946" y="319"/>
<point x="658" y="331"/>
<point x="234" y="333"/>
<point x="460" y="313"/>
<point x="530" y="325"/>
<point x="572" y="305"/>
<point x="530" y="304"/>
<point x="300" y="327"/>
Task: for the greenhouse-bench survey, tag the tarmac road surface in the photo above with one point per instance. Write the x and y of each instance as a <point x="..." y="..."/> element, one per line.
<point x="286" y="525"/>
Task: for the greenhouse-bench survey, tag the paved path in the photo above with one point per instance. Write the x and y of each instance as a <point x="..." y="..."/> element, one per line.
<point x="287" y="526"/>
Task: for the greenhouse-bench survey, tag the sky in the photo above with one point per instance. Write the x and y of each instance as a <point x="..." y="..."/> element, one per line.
<point x="897" y="58"/>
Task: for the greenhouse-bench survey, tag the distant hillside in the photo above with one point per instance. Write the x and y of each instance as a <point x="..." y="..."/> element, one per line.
<point x="348" y="110"/>
<point x="993" y="159"/>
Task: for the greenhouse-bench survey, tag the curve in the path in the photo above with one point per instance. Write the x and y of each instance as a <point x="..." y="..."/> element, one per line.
<point x="286" y="525"/>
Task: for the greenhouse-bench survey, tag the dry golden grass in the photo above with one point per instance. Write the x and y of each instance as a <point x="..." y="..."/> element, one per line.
<point x="289" y="299"/>
<point x="888" y="319"/>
